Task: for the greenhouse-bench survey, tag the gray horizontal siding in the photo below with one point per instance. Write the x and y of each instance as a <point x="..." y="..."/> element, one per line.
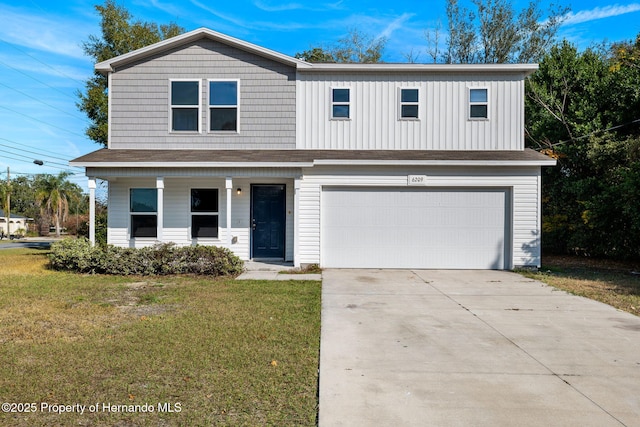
<point x="140" y="99"/>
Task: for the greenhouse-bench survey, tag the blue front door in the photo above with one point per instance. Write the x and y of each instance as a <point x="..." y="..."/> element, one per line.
<point x="268" y="217"/>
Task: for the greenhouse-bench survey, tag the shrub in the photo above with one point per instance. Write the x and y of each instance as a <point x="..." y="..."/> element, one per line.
<point x="162" y="259"/>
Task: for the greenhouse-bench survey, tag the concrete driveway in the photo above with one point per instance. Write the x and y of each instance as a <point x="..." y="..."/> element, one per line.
<point x="472" y="348"/>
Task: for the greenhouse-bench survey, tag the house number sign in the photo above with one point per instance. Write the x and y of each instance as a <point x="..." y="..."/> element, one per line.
<point x="417" y="180"/>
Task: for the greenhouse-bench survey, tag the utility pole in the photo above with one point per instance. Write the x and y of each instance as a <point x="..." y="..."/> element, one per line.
<point x="8" y="203"/>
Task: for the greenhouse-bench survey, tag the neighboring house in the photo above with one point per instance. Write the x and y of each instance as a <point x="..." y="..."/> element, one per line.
<point x="216" y="141"/>
<point x="16" y="222"/>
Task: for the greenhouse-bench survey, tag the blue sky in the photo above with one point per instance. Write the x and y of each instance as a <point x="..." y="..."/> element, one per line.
<point x="42" y="64"/>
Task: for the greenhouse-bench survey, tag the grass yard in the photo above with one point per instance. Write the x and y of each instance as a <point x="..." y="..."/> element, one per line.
<point x="614" y="283"/>
<point x="159" y="351"/>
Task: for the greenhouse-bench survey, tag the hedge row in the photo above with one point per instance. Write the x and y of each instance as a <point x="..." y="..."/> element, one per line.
<point x="164" y="258"/>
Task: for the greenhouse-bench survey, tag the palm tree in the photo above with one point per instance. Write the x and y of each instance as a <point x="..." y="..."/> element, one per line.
<point x="53" y="193"/>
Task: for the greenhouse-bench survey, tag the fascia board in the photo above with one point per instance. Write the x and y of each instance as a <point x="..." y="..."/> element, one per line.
<point x="550" y="162"/>
<point x="430" y="68"/>
<point x="110" y="64"/>
<point x="192" y="164"/>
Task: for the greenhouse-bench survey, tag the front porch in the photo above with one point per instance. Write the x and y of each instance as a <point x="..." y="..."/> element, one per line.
<point x="252" y="213"/>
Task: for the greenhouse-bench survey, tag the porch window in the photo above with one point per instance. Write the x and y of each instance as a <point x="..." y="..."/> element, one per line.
<point x="185" y="106"/>
<point x="204" y="212"/>
<point x="223" y="105"/>
<point x="409" y="103"/>
<point x="340" y="103"/>
<point x="478" y="104"/>
<point x="143" y="209"/>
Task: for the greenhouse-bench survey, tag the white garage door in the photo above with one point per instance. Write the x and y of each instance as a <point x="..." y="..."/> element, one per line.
<point x="413" y="228"/>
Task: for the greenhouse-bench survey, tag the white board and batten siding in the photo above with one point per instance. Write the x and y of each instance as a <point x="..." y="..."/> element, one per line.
<point x="443" y="110"/>
<point x="515" y="188"/>
<point x="177" y="216"/>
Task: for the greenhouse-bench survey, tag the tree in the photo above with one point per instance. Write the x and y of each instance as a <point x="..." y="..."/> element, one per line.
<point x="495" y="33"/>
<point x="53" y="194"/>
<point x="582" y="109"/>
<point x="355" y="47"/>
<point x="120" y="35"/>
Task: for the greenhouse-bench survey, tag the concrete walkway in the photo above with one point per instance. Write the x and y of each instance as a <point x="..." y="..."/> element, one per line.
<point x="255" y="270"/>
<point x="472" y="348"/>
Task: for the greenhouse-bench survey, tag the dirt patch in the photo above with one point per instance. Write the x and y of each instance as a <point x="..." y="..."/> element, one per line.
<point x="141" y="299"/>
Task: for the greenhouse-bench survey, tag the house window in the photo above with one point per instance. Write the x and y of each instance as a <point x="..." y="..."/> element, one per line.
<point x="409" y="103"/>
<point x="478" y="104"/>
<point x="143" y="207"/>
<point x="223" y="105"/>
<point x="185" y="106"/>
<point x="340" y="99"/>
<point x="204" y="212"/>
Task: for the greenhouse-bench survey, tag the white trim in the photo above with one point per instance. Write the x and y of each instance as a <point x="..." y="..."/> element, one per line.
<point x="527" y="69"/>
<point x="486" y="103"/>
<point x="113" y="63"/>
<point x="196" y="164"/>
<point x="229" y="187"/>
<point x="92" y="209"/>
<point x="160" y="206"/>
<point x="171" y="107"/>
<point x="550" y="162"/>
<point x="296" y="221"/>
<point x="333" y="103"/>
<point x="190" y="215"/>
<point x="400" y="104"/>
<point x="209" y="107"/>
<point x="109" y="108"/>
<point x="130" y="237"/>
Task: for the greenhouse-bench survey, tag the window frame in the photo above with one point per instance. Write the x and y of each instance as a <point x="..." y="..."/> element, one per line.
<point x="204" y="213"/>
<point x="333" y="103"/>
<point x="135" y="213"/>
<point x="472" y="104"/>
<point x="190" y="106"/>
<point x="402" y="103"/>
<point x="236" y="106"/>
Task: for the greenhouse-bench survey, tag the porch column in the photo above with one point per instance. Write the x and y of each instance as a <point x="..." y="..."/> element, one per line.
<point x="296" y="222"/>
<point x="92" y="210"/>
<point x="229" y="187"/>
<point x="160" y="213"/>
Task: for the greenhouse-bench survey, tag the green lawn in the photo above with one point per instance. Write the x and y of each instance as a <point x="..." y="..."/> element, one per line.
<point x="185" y="350"/>
<point x="611" y="282"/>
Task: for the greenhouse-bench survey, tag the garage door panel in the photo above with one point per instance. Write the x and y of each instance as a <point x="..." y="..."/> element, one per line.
<point x="413" y="228"/>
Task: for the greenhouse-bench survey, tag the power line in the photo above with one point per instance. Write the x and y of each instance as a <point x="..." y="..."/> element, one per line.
<point x="25" y="161"/>
<point x="41" y="121"/>
<point x="41" y="62"/>
<point x="31" y="157"/>
<point x="44" y="103"/>
<point x="40" y="149"/>
<point x="32" y="152"/>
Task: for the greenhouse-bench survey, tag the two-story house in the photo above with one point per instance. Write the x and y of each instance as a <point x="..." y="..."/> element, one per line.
<point x="216" y="141"/>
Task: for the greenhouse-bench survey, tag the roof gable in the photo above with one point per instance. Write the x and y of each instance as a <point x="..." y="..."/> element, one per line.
<point x="165" y="45"/>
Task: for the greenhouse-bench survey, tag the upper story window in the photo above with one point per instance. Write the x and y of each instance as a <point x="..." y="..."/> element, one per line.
<point x="185" y="105"/>
<point x="340" y="103"/>
<point x="223" y="105"/>
<point x="143" y="209"/>
<point x="478" y="104"/>
<point x="204" y="212"/>
<point x="409" y="103"/>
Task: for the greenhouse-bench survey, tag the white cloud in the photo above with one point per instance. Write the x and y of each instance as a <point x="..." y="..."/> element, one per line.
<point x="600" y="13"/>
<point x="52" y="34"/>
<point x="394" y="25"/>
<point x="270" y="7"/>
